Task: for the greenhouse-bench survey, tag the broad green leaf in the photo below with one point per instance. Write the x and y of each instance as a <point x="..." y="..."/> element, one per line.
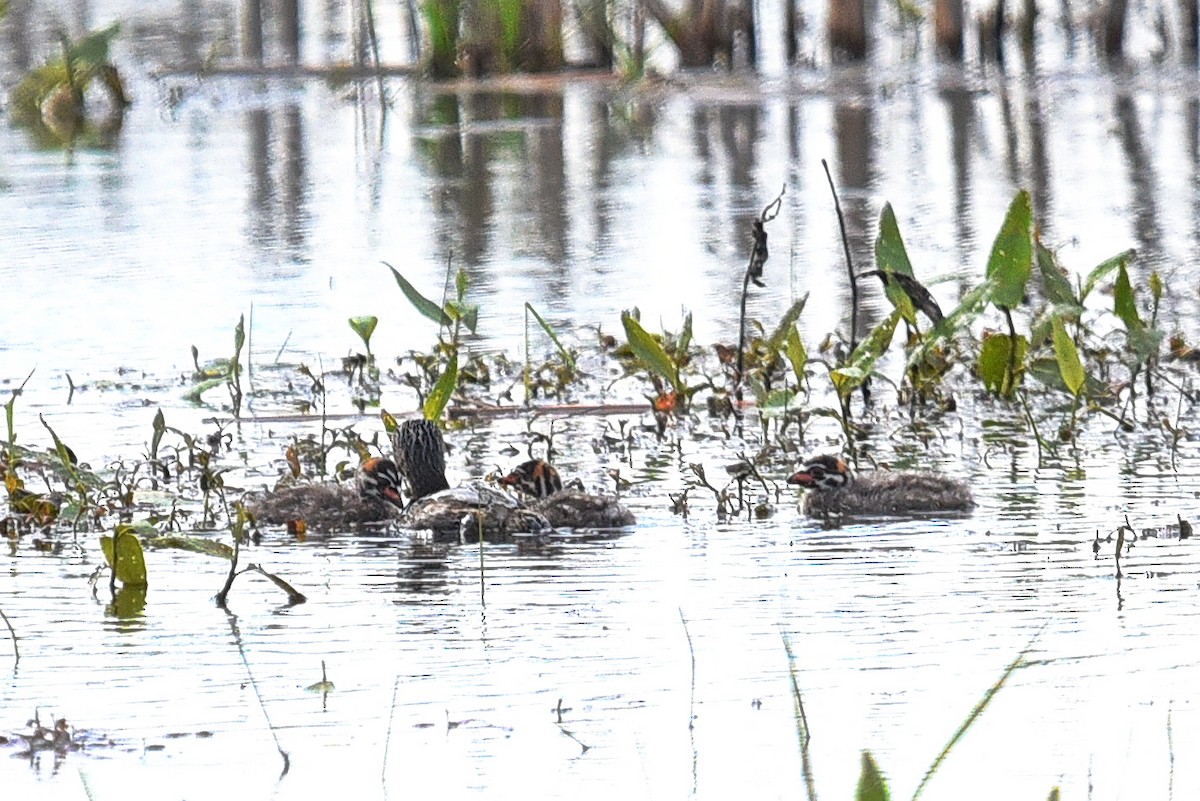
<point x="787" y="324"/>
<point x="850" y="377"/>
<point x="465" y="313"/>
<point x="796" y="354"/>
<point x="892" y="257"/>
<point x="421" y="303"/>
<point x="129" y="563"/>
<point x="562" y="352"/>
<point x="1124" y="302"/>
<point x="1068" y="358"/>
<point x="1145" y="342"/>
<point x="1055" y="284"/>
<point x="439" y="396"/>
<point x="871" y="784"/>
<point x="1011" y="260"/>
<point x="1046" y="371"/>
<point x="200" y="545"/>
<point x="890" y="253"/>
<point x="994" y="356"/>
<point x="364" y="327"/>
<point x="93" y="48"/>
<point x="649" y="351"/>
<point x="1103" y="270"/>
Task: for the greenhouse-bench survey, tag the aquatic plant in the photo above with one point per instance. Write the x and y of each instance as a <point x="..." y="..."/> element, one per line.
<point x="363" y="365"/>
<point x="872" y="784"/>
<point x="553" y="375"/>
<point x="442" y="24"/>
<point x="455" y="314"/>
<point x="49" y="101"/>
<point x="227" y="372"/>
<point x="663" y="358"/>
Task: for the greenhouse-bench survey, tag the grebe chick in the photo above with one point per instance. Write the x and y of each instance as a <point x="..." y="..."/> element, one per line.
<point x="834" y="489"/>
<point x="421" y="456"/>
<point x="374" y="497"/>
<point x="565" y="507"/>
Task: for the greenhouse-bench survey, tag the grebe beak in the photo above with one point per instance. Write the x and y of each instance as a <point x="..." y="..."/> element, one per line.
<point x="803" y="479"/>
<point x="392" y="495"/>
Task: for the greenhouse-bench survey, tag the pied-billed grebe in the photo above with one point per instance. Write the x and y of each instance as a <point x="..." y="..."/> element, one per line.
<point x="421" y="456"/>
<point x="374" y="497"/>
<point x="569" y="507"/>
<point x="836" y="490"/>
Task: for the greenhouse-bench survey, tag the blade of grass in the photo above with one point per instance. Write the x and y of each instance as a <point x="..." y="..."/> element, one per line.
<point x="974" y="716"/>
<point x="566" y="356"/>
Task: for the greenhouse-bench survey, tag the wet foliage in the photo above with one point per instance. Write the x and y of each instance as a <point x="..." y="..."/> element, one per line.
<point x="1041" y="353"/>
<point x="77" y="97"/>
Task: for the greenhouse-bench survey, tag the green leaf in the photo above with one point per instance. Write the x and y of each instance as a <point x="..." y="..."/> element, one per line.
<point x="649" y="351"/>
<point x="461" y="281"/>
<point x="796" y="354"/>
<point x="968" y="309"/>
<point x="1055" y="284"/>
<point x="563" y="353"/>
<point x="200" y="545"/>
<point x="994" y="358"/>
<point x="871" y="784"/>
<point x="1054" y="795"/>
<point x="1124" y="301"/>
<point x="1103" y="270"/>
<point x="92" y="49"/>
<point x="160" y="428"/>
<point x="851" y="376"/>
<point x="466" y="313"/>
<point x="1011" y="261"/>
<point x="890" y="253"/>
<point x="892" y="257"/>
<point x="1156" y="287"/>
<point x="239" y="338"/>
<point x="64" y="453"/>
<point x="199" y="389"/>
<point x="787" y="324"/>
<point x="1046" y="371"/>
<point x="439" y="396"/>
<point x="129" y="563"/>
<point x="364" y="327"/>
<point x="1068" y="358"/>
<point x="1145" y="342"/>
<point x="685" y="337"/>
<point x="422" y="304"/>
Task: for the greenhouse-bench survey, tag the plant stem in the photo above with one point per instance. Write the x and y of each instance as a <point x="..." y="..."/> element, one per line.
<point x="849" y="261"/>
<point x="1010" y="370"/>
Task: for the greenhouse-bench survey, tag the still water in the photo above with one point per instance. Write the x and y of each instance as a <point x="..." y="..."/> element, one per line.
<point x="652" y="664"/>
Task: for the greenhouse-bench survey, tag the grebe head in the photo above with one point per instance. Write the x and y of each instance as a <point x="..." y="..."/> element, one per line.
<point x="536" y="478"/>
<point x="826" y="472"/>
<point x="379" y="478"/>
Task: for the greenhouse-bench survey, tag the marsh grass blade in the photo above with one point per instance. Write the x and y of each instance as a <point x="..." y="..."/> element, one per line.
<point x="419" y="302"/>
<point x="970" y="720"/>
